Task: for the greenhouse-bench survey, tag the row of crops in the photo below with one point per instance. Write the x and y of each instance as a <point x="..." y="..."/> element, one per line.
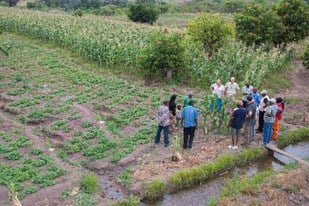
<point x="106" y="42"/>
<point x="112" y="42"/>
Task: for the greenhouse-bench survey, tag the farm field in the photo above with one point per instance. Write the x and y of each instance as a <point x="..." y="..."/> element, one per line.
<point x="77" y="115"/>
<point x="65" y="111"/>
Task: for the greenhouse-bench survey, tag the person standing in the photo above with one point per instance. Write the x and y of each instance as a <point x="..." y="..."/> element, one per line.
<point x="269" y="119"/>
<point x="163" y="118"/>
<point x="231" y="89"/>
<point x="262" y="107"/>
<point x="256" y="96"/>
<point x="237" y="119"/>
<point x="250" y="120"/>
<point x="218" y="89"/>
<point x="172" y="108"/>
<point x="187" y="99"/>
<point x="246" y="90"/>
<point x="189" y="121"/>
<point x="276" y="126"/>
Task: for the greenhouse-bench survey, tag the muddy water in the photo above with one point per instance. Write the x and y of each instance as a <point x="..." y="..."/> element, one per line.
<point x="200" y="196"/>
<point x="300" y="150"/>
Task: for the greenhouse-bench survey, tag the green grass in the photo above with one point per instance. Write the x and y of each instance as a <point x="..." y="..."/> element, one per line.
<point x="292" y="137"/>
<point x="125" y="178"/>
<point x="89" y="183"/>
<point x="154" y="189"/>
<point x="197" y="175"/>
<point x="130" y="201"/>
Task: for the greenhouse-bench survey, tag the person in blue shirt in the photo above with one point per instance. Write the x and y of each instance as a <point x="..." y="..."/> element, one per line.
<point x="189" y="122"/>
<point x="256" y="96"/>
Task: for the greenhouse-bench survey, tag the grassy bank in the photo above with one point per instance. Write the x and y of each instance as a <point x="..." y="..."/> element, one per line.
<point x="198" y="175"/>
<point x="292" y="137"/>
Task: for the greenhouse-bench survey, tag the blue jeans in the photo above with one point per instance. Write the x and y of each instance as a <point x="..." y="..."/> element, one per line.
<point x="267" y="132"/>
<point x="165" y="132"/>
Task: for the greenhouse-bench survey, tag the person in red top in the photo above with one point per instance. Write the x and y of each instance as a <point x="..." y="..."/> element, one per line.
<point x="280" y="104"/>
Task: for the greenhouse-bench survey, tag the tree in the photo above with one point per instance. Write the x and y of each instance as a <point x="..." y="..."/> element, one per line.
<point x="12" y="2"/>
<point x="143" y="13"/>
<point x="257" y="24"/>
<point x="294" y="15"/>
<point x="162" y="56"/>
<point x="211" y="30"/>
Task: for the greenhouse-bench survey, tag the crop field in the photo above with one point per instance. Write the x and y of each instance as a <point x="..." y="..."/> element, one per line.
<point x="58" y="114"/>
<point x="65" y="111"/>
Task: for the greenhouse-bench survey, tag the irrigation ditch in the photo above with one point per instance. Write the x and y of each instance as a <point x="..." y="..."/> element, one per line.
<point x="199" y="185"/>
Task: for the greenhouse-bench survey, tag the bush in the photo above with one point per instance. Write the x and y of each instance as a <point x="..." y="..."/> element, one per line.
<point x="35" y="5"/>
<point x="257" y="24"/>
<point x="162" y="56"/>
<point x="305" y="57"/>
<point x="89" y="183"/>
<point x="211" y="30"/>
<point x="294" y="16"/>
<point x="154" y="189"/>
<point x="143" y="13"/>
<point x="108" y="10"/>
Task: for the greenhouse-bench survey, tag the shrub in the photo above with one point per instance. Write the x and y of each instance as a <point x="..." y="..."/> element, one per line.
<point x="108" y="10"/>
<point x="305" y="57"/>
<point x="162" y="56"/>
<point x="294" y="16"/>
<point x="89" y="183"/>
<point x="211" y="30"/>
<point x="257" y="24"/>
<point x="154" y="189"/>
<point x="143" y="13"/>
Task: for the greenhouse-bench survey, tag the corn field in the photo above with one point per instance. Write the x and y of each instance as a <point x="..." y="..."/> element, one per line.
<point x="104" y="41"/>
<point x="115" y="43"/>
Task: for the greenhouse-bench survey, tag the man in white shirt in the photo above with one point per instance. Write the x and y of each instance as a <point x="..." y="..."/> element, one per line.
<point x="231" y="89"/>
<point x="217" y="90"/>
<point x="246" y="91"/>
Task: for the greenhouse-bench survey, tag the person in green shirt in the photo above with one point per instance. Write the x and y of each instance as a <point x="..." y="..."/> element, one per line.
<point x="187" y="99"/>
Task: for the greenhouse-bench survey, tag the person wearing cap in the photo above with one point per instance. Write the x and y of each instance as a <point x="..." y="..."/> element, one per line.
<point x="250" y="120"/>
<point x="269" y="119"/>
<point x="246" y="90"/>
<point x="187" y="99"/>
<point x="189" y="121"/>
<point x="276" y="126"/>
<point x="231" y="89"/>
<point x="163" y="118"/>
<point x="217" y="89"/>
<point x="262" y="107"/>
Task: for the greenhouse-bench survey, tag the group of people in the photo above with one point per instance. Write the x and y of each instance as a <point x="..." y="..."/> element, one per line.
<point x="252" y="106"/>
<point x="169" y="116"/>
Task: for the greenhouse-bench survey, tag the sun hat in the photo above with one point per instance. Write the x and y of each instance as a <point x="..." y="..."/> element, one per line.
<point x="263" y="91"/>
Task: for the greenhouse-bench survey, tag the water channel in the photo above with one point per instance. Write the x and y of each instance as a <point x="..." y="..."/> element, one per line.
<point x="200" y="196"/>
